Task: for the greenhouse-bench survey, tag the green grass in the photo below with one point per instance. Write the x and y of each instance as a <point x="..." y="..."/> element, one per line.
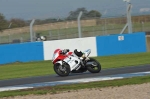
<point x="124" y="60"/>
<point x="21" y="70"/>
<point x="68" y="88"/>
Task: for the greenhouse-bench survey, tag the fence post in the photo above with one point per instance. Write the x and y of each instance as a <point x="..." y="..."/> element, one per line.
<point x="9" y="39"/>
<point x="129" y="22"/>
<point x="129" y="18"/>
<point x="142" y="25"/>
<point x="105" y="27"/>
<point x="31" y="30"/>
<point x="50" y="35"/>
<point x="79" y="24"/>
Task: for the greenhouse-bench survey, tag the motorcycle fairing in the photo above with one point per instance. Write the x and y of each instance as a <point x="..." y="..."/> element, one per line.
<point x="87" y="52"/>
<point x="72" y="61"/>
<point x="60" y="62"/>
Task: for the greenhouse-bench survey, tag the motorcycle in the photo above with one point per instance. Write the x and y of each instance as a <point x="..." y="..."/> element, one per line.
<point x="71" y="63"/>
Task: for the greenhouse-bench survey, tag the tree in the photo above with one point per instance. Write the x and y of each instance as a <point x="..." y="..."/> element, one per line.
<point x="94" y="13"/>
<point x="3" y="22"/>
<point x="74" y="14"/>
<point x="86" y="14"/>
<point x="16" y="22"/>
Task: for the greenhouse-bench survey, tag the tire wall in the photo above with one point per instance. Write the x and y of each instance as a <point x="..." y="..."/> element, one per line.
<point x="121" y="44"/>
<point x="78" y="43"/>
<point x="23" y="52"/>
<point x="100" y="46"/>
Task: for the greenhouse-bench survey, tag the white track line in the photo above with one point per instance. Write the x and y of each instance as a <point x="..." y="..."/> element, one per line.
<point x="99" y="78"/>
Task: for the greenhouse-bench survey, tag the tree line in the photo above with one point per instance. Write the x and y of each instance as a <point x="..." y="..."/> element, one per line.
<point x="17" y="22"/>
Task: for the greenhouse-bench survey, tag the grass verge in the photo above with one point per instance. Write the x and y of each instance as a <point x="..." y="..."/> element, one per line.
<point x="61" y="88"/>
<point x="21" y="70"/>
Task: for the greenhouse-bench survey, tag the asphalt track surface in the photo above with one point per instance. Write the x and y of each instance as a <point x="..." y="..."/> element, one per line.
<point x="51" y="78"/>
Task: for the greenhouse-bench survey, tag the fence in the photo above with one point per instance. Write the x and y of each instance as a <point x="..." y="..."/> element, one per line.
<point x="69" y="29"/>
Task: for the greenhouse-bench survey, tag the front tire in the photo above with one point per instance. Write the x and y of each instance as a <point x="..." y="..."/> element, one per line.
<point x="62" y="70"/>
<point x="95" y="67"/>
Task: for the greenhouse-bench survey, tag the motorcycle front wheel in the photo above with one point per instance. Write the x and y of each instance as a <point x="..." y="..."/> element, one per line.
<point x="62" y="70"/>
<point x="94" y="67"/>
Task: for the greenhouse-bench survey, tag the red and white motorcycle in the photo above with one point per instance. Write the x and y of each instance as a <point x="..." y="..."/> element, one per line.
<point x="71" y="63"/>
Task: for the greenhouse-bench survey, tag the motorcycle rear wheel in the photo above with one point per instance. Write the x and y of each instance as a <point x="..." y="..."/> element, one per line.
<point x="62" y="70"/>
<point x="94" y="68"/>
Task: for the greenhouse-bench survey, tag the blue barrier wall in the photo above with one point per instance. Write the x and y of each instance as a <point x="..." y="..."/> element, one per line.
<point x="105" y="45"/>
<point x="121" y="44"/>
<point x="23" y="52"/>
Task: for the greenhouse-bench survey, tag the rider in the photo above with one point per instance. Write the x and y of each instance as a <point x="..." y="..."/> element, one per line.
<point x="80" y="54"/>
<point x="76" y="52"/>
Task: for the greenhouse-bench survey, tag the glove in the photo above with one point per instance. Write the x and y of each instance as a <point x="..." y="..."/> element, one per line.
<point x="67" y="50"/>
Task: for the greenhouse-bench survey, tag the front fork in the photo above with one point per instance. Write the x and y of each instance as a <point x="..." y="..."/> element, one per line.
<point x="62" y="67"/>
<point x="84" y="60"/>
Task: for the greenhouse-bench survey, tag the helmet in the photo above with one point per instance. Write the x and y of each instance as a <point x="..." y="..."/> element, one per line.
<point x="78" y="53"/>
<point x="43" y="38"/>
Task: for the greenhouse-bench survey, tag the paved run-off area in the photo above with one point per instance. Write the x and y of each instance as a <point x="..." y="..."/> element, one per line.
<point x="141" y="91"/>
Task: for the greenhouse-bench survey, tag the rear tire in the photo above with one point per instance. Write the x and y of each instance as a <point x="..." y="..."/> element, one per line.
<point x="62" y="70"/>
<point x="94" y="68"/>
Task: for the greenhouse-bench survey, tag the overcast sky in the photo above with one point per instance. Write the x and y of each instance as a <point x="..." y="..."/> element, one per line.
<point x="29" y="9"/>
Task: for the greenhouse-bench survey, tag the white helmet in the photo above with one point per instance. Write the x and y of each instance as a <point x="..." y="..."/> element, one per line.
<point x="43" y="38"/>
